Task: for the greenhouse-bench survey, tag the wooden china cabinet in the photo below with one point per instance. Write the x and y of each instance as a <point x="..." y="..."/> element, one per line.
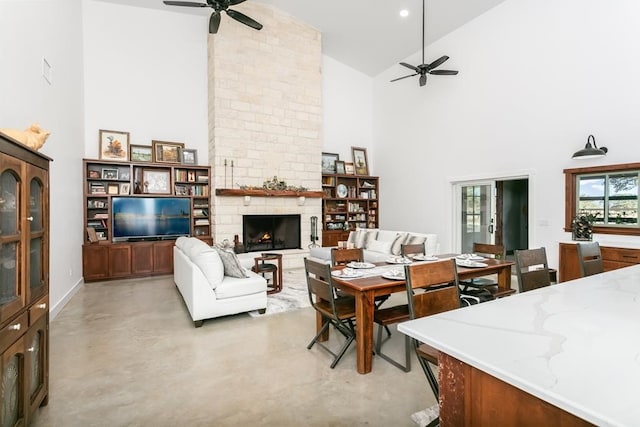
<point x="24" y="281"/>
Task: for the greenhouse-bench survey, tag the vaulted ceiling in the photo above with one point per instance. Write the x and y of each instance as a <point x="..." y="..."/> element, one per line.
<point x="367" y="35"/>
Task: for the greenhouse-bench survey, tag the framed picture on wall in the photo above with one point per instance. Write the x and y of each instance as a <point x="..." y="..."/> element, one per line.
<point x="189" y="156"/>
<point x="114" y="145"/>
<point x="340" y="167"/>
<point x="348" y="168"/>
<point x="360" y="160"/>
<point x="329" y="162"/>
<point x="141" y="153"/>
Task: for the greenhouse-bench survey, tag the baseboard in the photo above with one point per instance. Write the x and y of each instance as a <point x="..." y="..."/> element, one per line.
<point x="57" y="308"/>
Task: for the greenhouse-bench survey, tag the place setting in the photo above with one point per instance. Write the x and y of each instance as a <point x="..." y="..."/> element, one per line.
<point x="470" y="261"/>
<point x="394" y="274"/>
<point x="347" y="273"/>
<point x="399" y="260"/>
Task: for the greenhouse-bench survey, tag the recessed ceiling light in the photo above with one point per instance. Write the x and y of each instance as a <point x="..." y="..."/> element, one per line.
<point x="404" y="13"/>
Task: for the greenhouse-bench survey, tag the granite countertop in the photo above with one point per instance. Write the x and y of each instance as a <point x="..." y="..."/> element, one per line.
<point x="575" y="344"/>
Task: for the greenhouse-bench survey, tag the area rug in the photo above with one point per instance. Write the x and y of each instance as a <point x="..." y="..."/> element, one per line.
<point x="294" y="294"/>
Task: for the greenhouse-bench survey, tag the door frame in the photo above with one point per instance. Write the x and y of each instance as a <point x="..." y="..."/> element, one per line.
<point x="458" y="182"/>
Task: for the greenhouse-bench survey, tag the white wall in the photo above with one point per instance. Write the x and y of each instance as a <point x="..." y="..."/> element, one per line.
<point x="29" y="31"/>
<point x="536" y="78"/>
<point x="347" y="97"/>
<point x="145" y="73"/>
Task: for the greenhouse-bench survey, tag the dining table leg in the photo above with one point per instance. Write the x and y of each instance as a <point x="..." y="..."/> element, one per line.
<point x="364" y="331"/>
<point x="504" y="278"/>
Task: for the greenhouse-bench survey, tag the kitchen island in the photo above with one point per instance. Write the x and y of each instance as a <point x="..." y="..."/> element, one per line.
<point x="568" y="354"/>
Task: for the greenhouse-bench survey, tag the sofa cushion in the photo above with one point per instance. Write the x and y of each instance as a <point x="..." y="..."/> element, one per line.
<point x="396" y="246"/>
<point x="370" y="236"/>
<point x="387" y="236"/>
<point x="232" y="266"/>
<point x="232" y="287"/>
<point x="180" y="242"/>
<point x="193" y="246"/>
<point x="415" y="240"/>
<point x="209" y="262"/>
<point x="379" y="246"/>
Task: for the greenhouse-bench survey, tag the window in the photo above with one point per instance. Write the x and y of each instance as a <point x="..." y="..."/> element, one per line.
<point x="606" y="194"/>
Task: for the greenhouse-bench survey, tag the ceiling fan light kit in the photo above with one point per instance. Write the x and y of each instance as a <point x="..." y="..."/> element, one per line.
<point x="590" y="151"/>
<point x="423" y="69"/>
<point x="219" y="6"/>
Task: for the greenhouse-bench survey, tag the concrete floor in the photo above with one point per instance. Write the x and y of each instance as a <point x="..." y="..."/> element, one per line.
<point x="125" y="353"/>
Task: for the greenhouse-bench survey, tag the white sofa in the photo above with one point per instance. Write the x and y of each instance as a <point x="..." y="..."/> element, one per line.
<point x="205" y="283"/>
<point x="378" y="245"/>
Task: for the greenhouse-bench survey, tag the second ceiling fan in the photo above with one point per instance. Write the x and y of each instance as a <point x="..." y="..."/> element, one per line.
<point x="423" y="69"/>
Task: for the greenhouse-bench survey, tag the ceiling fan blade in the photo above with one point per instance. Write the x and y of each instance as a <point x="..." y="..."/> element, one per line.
<point x="185" y="3"/>
<point x="214" y="22"/>
<point x="414" y="68"/>
<point x="443" y="72"/>
<point x="235" y="2"/>
<point x="437" y="62"/>
<point x="423" y="79"/>
<point x="400" y="78"/>
<point x="241" y="17"/>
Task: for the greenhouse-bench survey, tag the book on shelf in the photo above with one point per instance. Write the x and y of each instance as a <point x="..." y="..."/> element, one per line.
<point x="202" y="222"/>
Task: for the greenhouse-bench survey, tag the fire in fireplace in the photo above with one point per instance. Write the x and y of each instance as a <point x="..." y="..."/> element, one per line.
<point x="269" y="232"/>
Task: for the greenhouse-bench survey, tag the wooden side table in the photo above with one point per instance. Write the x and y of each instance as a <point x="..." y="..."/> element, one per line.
<point x="262" y="267"/>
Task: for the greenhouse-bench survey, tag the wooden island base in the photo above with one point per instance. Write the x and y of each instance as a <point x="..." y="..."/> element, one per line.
<point x="469" y="396"/>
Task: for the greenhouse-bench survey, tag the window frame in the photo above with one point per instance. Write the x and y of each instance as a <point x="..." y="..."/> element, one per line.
<point x="571" y="197"/>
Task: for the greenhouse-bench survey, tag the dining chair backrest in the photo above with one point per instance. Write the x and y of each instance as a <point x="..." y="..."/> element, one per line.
<point x="439" y="283"/>
<point x="320" y="286"/>
<point x="590" y="258"/>
<point x="412" y="249"/>
<point x="345" y="256"/>
<point x="532" y="269"/>
<point x="487" y="249"/>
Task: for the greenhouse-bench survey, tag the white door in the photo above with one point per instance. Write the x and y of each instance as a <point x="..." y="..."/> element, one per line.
<point x="476" y="213"/>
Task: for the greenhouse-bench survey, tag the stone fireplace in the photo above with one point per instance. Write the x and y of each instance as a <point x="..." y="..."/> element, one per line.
<point x="265" y="120"/>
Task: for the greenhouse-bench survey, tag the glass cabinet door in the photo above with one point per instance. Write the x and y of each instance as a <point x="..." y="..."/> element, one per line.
<point x="36" y="224"/>
<point x="11" y="295"/>
<point x="11" y="388"/>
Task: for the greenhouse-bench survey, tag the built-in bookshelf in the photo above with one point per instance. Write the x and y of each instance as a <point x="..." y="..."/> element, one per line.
<point x="349" y="202"/>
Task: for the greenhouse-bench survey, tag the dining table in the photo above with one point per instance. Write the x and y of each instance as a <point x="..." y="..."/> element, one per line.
<point x="372" y="284"/>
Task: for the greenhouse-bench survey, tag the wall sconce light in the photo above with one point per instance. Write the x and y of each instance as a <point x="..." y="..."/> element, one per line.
<point x="590" y="151"/>
<point x="247" y="200"/>
<point x="301" y="200"/>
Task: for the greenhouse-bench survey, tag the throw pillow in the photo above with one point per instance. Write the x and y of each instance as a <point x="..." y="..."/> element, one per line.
<point x="232" y="266"/>
<point x="396" y="246"/>
<point x="370" y="236"/>
<point x="415" y="240"/>
<point x="209" y="262"/>
<point x="382" y="247"/>
<point x="352" y="237"/>
<point x="359" y="238"/>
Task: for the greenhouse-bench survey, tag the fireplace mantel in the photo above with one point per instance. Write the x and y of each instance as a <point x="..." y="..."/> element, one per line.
<point x="260" y="192"/>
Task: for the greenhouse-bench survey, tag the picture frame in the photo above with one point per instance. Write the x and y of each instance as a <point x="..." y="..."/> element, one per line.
<point x="141" y="153"/>
<point x="166" y="152"/>
<point x="110" y="174"/>
<point x="156" y="181"/>
<point x="329" y="162"/>
<point x="93" y="174"/>
<point x="125" y="188"/>
<point x="189" y="156"/>
<point x="113" y="189"/>
<point x="360" y="163"/>
<point x="348" y="168"/>
<point x="114" y="145"/>
<point x="340" y="167"/>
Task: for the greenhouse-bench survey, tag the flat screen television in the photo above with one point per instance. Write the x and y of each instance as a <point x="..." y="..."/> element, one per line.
<point x="150" y="218"/>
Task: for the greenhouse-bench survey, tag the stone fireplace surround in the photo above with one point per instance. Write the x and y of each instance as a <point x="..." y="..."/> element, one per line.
<point x="265" y="120"/>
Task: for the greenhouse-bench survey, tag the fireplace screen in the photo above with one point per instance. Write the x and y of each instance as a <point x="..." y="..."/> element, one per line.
<point x="269" y="232"/>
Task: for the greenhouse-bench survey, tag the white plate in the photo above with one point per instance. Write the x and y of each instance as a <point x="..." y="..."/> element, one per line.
<point x="347" y="273"/>
<point x="341" y="190"/>
<point x="354" y="264"/>
<point x="398" y="260"/>
<point x="425" y="258"/>
<point x="394" y="275"/>
<point x="470" y="257"/>
<point x="470" y="264"/>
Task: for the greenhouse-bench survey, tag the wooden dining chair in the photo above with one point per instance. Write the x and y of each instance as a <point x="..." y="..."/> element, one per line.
<point x="345" y="256"/>
<point x="481" y="287"/>
<point x="432" y="288"/>
<point x="532" y="269"/>
<point x="412" y="249"/>
<point x="337" y="311"/>
<point x="589" y="258"/>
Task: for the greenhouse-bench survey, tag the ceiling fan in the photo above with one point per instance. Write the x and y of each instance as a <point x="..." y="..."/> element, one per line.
<point x="423" y="69"/>
<point x="219" y="6"/>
